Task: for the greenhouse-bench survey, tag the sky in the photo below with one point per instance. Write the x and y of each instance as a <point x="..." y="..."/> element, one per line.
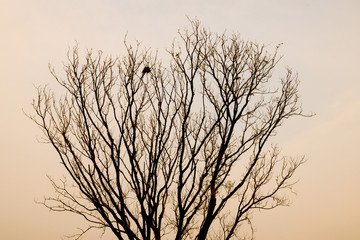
<point x="321" y="42"/>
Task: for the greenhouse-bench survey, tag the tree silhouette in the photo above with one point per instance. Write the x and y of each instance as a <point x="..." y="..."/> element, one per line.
<point x="181" y="153"/>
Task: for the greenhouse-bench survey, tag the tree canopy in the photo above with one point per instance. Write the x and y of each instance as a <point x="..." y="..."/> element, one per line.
<point x="181" y="151"/>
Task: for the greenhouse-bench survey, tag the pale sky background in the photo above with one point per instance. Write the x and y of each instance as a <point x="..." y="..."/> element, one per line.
<point x="321" y="42"/>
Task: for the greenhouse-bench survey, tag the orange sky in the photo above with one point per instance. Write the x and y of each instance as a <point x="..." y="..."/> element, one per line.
<point x="321" y="41"/>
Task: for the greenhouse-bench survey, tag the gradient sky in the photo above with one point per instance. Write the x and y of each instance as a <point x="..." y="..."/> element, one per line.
<point x="321" y="42"/>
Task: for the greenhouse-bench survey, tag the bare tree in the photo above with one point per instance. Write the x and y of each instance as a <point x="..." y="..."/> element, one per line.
<point x="178" y="152"/>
